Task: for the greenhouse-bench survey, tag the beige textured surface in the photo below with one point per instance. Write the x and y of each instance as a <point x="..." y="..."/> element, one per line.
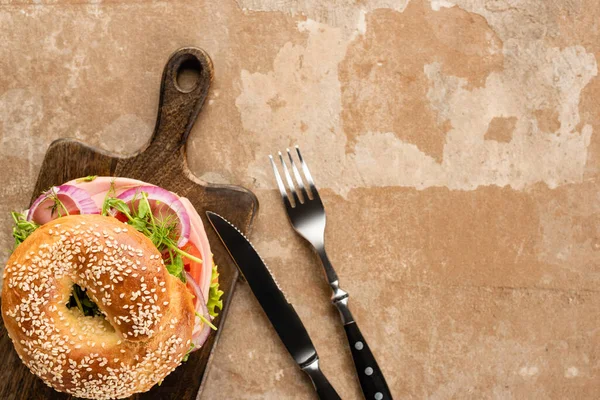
<point x="456" y="144"/>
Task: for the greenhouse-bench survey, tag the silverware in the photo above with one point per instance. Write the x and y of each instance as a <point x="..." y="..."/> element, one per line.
<point x="307" y="215"/>
<point x="280" y="312"/>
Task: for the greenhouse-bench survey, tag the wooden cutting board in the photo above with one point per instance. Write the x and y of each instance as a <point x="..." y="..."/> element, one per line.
<point x="163" y="163"/>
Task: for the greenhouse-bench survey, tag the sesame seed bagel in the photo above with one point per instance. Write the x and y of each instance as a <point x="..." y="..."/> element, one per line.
<point x="149" y="314"/>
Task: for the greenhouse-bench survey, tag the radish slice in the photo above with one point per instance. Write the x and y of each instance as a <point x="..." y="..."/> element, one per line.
<point x="74" y="199"/>
<point x="199" y="239"/>
<point x="201" y="329"/>
<point x="167" y="198"/>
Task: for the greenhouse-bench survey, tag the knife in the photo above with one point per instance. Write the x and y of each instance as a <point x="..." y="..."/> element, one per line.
<point x="280" y="312"/>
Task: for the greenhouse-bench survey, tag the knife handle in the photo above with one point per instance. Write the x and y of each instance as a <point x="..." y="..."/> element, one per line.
<point x="324" y="389"/>
<point x="370" y="376"/>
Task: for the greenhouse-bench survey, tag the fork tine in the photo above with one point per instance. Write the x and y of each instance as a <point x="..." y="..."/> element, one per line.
<point x="299" y="181"/>
<point x="280" y="184"/>
<point x="288" y="178"/>
<point x="308" y="176"/>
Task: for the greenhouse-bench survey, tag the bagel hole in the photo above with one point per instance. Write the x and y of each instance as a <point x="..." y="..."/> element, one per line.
<point x="80" y="300"/>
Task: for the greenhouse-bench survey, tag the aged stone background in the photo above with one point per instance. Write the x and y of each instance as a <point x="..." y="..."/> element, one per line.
<point x="457" y="145"/>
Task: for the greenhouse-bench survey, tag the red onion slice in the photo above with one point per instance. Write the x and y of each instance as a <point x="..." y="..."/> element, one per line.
<point x="201" y="329"/>
<point x="73" y="198"/>
<point x="171" y="200"/>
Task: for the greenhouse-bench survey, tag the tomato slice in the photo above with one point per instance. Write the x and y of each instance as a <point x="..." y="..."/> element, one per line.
<point x="194" y="268"/>
<point x="121" y="217"/>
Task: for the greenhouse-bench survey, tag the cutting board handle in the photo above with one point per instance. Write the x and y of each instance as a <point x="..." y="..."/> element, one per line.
<point x="177" y="112"/>
<point x="178" y="107"/>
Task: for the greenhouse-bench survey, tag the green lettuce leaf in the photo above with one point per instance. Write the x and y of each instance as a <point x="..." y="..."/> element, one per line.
<point x="214" y="294"/>
<point x="22" y="228"/>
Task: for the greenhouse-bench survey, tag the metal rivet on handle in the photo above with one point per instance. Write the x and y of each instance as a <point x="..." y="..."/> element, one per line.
<point x="378" y="396"/>
<point x="368" y="371"/>
<point x="358" y="345"/>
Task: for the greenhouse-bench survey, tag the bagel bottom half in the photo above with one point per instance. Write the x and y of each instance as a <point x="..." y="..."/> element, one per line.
<point x="148" y="315"/>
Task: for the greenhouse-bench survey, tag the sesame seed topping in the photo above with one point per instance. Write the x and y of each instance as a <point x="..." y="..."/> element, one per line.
<point x="74" y="353"/>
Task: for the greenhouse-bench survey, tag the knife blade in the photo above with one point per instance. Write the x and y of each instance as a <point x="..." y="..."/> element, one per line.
<point x="271" y="298"/>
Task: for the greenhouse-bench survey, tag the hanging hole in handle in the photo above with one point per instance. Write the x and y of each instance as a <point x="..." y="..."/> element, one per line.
<point x="187" y="76"/>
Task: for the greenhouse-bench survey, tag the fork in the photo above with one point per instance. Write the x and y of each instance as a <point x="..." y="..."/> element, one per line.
<point x="306" y="213"/>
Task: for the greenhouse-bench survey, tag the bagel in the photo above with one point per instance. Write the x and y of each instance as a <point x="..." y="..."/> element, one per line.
<point x="147" y="319"/>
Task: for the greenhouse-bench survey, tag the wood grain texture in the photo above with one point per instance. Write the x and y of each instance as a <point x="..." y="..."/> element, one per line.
<point x="162" y="162"/>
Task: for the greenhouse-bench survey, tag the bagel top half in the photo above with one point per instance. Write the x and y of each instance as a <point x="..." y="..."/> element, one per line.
<point x="148" y="314"/>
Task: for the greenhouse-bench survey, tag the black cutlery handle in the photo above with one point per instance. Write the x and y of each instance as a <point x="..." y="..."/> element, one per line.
<point x="370" y="376"/>
<point x="324" y="389"/>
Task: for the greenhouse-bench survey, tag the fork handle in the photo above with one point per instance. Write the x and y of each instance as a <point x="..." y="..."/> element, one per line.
<point x="370" y="376"/>
<point x="372" y="381"/>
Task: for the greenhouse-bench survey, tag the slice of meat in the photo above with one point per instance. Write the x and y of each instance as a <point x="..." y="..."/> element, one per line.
<point x="98" y="187"/>
<point x="200" y="240"/>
